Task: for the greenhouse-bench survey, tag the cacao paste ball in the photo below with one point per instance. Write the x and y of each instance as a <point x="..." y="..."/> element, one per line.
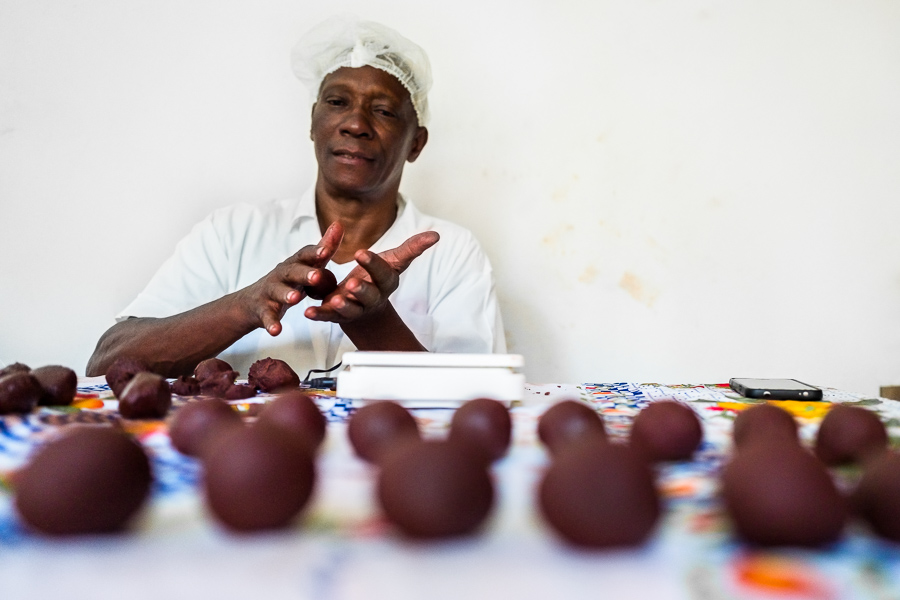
<point x="666" y="430"/>
<point x="297" y="415"/>
<point x="778" y="494"/>
<point x="147" y="396"/>
<point x="764" y="423"/>
<point x="485" y="425"/>
<point x="877" y="497"/>
<point x="568" y="421"/>
<point x="377" y="426"/>
<point x="257" y="478"/>
<point x="92" y="479"/>
<point x="186" y="386"/>
<point x="326" y="285"/>
<point x="212" y="366"/>
<point x="19" y="392"/>
<point x="121" y="371"/>
<point x="271" y="374"/>
<point x="195" y="424"/>
<point x="240" y="391"/>
<point x="848" y="434"/>
<point x="599" y="495"/>
<point x="59" y="385"/>
<point x="217" y="384"/>
<point x="14" y="368"/>
<point x="434" y="489"/>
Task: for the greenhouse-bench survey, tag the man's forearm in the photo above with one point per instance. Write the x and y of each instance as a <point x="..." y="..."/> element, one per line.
<point x="384" y="331"/>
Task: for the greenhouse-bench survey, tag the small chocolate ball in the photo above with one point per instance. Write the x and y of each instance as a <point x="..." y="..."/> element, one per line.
<point x="121" y="371"/>
<point x="217" y="384"/>
<point x="186" y="386"/>
<point x="763" y="423"/>
<point x="848" y="434"/>
<point x="297" y="415"/>
<point x="326" y="285"/>
<point x="240" y="391"/>
<point x="598" y="495"/>
<point x="568" y="421"/>
<point x="877" y="497"/>
<point x="93" y="479"/>
<point x="195" y="424"/>
<point x="212" y="366"/>
<point x="147" y="396"/>
<point x="485" y="424"/>
<point x="271" y="374"/>
<point x="778" y="494"/>
<point x="257" y="478"/>
<point x="434" y="489"/>
<point x="14" y="368"/>
<point x="666" y="430"/>
<point x="19" y="392"/>
<point x="376" y="427"/>
<point x="59" y="385"/>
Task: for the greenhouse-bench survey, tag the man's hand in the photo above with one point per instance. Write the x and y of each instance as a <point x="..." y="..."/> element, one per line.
<point x="266" y="301"/>
<point x="365" y="291"/>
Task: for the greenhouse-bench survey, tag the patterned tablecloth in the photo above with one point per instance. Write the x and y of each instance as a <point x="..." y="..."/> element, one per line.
<point x="343" y="549"/>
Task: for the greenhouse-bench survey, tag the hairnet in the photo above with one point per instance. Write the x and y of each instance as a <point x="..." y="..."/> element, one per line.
<point x="347" y="41"/>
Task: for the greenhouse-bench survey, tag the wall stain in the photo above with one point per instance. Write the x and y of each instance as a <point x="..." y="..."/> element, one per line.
<point x="588" y="275"/>
<point x="638" y="289"/>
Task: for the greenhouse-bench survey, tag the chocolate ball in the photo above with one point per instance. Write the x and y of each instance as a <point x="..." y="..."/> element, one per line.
<point x="19" y="392"/>
<point x="271" y="374"/>
<point x="14" y="368"/>
<point x="93" y="479"/>
<point x="59" y="385"/>
<point x="598" y="495"/>
<point x="377" y="426"/>
<point x="186" y="386"/>
<point x="764" y="423"/>
<point x="326" y="285"/>
<point x="485" y="424"/>
<point x="848" y="434"/>
<point x="218" y="383"/>
<point x="296" y="414"/>
<point x="121" y="371"/>
<point x="568" y="421"/>
<point x="434" y="489"/>
<point x="146" y="396"/>
<point x="212" y="366"/>
<point x="778" y="494"/>
<point x="877" y="497"/>
<point x="195" y="424"/>
<point x="257" y="478"/>
<point x="240" y="391"/>
<point x="666" y="430"/>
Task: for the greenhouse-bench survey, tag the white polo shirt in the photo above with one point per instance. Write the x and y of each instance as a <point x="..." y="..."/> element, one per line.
<point x="446" y="297"/>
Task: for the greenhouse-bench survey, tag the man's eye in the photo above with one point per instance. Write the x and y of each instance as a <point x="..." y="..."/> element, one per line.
<point x="385" y="112"/>
<point x="334" y="101"/>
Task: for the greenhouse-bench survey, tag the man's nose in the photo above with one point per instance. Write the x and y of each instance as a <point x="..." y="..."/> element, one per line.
<point x="357" y="123"/>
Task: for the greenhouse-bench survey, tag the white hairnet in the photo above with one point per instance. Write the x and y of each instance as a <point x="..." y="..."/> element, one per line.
<point x="347" y="41"/>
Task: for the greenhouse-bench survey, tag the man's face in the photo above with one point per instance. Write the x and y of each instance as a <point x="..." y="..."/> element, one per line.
<point x="364" y="129"/>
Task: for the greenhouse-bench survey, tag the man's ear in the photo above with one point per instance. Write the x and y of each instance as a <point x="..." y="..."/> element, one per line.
<point x="419" y="141"/>
<point x="311" y="113"/>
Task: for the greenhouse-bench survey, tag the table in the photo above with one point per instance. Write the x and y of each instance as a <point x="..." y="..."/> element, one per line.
<point x="342" y="549"/>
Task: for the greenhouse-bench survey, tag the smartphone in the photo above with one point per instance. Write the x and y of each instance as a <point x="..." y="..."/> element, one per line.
<point x="775" y="389"/>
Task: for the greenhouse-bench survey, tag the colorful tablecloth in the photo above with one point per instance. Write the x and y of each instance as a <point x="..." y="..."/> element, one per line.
<point x="342" y="548"/>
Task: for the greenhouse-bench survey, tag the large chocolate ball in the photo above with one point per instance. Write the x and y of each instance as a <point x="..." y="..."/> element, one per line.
<point x="121" y="371"/>
<point x="296" y="414"/>
<point x="195" y="424"/>
<point x="212" y="366"/>
<point x="666" y="430"/>
<point x="326" y="285"/>
<point x="434" y="489"/>
<point x="271" y="374"/>
<point x="257" y="478"/>
<point x="59" y="385"/>
<point x="764" y="423"/>
<point x="147" y="396"/>
<point x="598" y="495"/>
<point x="16" y="367"/>
<point x="485" y="425"/>
<point x="91" y="480"/>
<point x="877" y="497"/>
<point x="19" y="392"/>
<point x="778" y="494"/>
<point x="378" y="426"/>
<point x="848" y="434"/>
<point x="568" y="421"/>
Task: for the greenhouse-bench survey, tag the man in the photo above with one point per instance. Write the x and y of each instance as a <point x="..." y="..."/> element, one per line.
<point x="219" y="295"/>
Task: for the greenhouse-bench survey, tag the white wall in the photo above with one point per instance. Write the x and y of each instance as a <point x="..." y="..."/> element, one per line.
<point x="669" y="190"/>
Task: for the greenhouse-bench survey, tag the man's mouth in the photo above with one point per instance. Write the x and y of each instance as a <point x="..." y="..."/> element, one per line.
<point x="351" y="156"/>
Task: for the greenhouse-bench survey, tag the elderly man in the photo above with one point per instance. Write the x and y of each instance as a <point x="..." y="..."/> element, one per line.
<point x="219" y="295"/>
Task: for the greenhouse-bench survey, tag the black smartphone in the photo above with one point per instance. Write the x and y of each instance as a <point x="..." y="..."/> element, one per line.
<point x="775" y="389"/>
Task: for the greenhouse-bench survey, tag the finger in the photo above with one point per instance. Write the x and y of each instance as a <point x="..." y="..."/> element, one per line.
<point x="329" y="244"/>
<point x="380" y="272"/>
<point x="271" y="322"/>
<point x="362" y="292"/>
<point x="401" y="257"/>
<point x="285" y="294"/>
